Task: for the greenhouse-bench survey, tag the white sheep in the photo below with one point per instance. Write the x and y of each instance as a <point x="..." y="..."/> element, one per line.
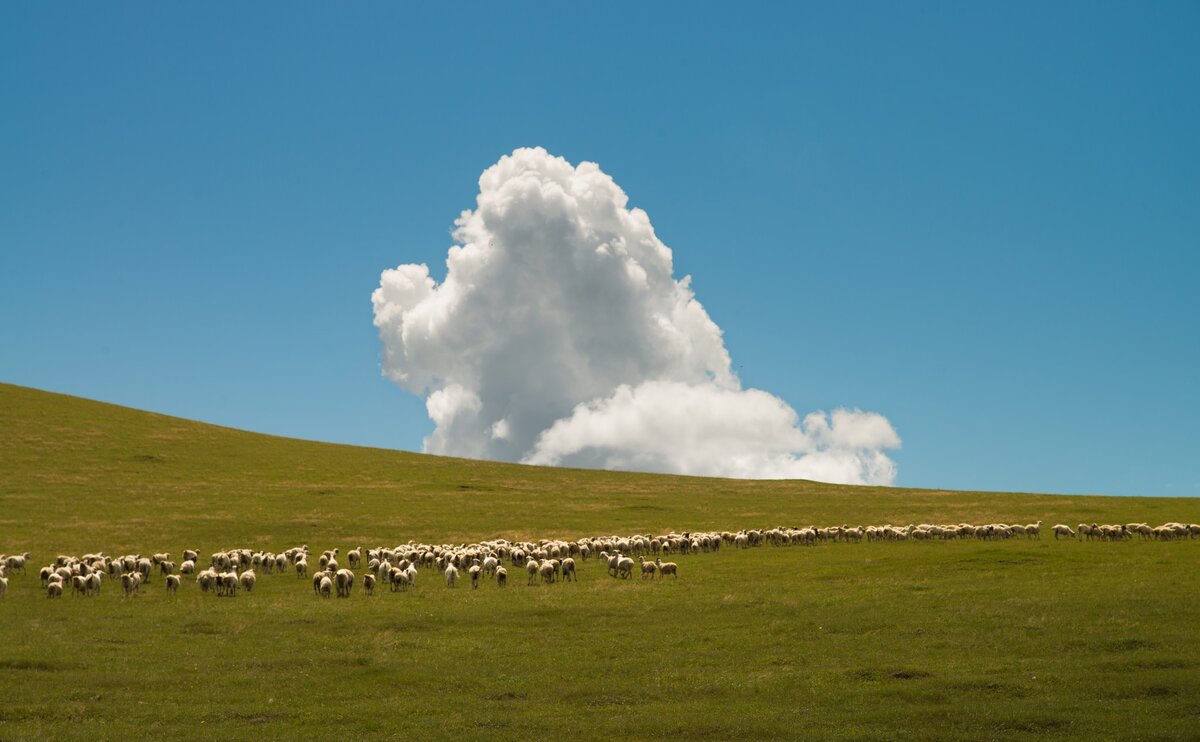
<point x="648" y="568"/>
<point x="531" y="566"/>
<point x="501" y="577"/>
<point x="301" y="568"/>
<point x="667" y="568"/>
<point x="1062" y="530"/>
<point x="369" y="584"/>
<point x="248" y="580"/>
<point x="344" y="579"/>
<point x="172" y="584"/>
<point x="325" y="586"/>
<point x="475" y="571"/>
<point x="54" y="590"/>
<point x="568" y="570"/>
<point x="451" y="573"/>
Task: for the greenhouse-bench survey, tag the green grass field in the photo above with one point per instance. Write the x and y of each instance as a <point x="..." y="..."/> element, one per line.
<point x="972" y="640"/>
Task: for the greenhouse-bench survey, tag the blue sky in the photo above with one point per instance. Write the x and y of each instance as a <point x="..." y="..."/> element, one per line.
<point x="980" y="221"/>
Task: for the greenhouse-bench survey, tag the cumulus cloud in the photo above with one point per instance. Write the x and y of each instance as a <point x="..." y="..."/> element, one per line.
<point x="561" y="336"/>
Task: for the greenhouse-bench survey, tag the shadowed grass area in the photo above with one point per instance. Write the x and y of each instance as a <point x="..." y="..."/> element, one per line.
<point x="970" y="640"/>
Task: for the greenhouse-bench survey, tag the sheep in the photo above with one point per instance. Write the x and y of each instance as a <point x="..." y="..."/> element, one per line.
<point x="206" y="580"/>
<point x="354" y="556"/>
<point x="369" y="584"/>
<point x="172" y="584"/>
<point x="325" y="586"/>
<point x="451" y="573"/>
<point x="78" y="585"/>
<point x="648" y="568"/>
<point x="501" y="577"/>
<point x="624" y="566"/>
<point x="127" y="584"/>
<point x="188" y="567"/>
<point x="667" y="568"/>
<point x="93" y="583"/>
<point x="227" y="584"/>
<point x="1062" y="530"/>
<point x="1034" y="530"/>
<point x="44" y="574"/>
<point x="399" y="580"/>
<point x="531" y="566"/>
<point x="344" y="579"/>
<point x="301" y="568"/>
<point x="248" y="580"/>
<point x="568" y="570"/>
<point x="474" y="571"/>
<point x="546" y="570"/>
<point x="16" y="562"/>
<point x="4" y="586"/>
<point x="53" y="590"/>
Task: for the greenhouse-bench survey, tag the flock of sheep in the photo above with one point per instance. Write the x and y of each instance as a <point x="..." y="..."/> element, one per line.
<point x="547" y="561"/>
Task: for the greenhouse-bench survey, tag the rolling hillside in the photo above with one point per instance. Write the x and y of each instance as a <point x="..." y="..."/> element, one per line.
<point x="962" y="639"/>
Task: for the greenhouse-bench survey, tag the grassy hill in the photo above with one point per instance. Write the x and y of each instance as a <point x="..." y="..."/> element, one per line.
<point x="954" y="639"/>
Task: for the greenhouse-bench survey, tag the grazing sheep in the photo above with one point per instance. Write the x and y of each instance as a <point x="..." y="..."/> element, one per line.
<point x="547" y="570"/>
<point x="501" y="577"/>
<point x="399" y="579"/>
<point x="325" y="587"/>
<point x="568" y="570"/>
<point x="474" y="571"/>
<point x="624" y="566"/>
<point x="1062" y="530"/>
<point x="451" y="575"/>
<point x="93" y="583"/>
<point x="667" y="568"/>
<point x="44" y="574"/>
<point x="172" y="584"/>
<point x="301" y="568"/>
<point x="248" y="580"/>
<point x="531" y="566"/>
<point x="188" y="567"/>
<point x="53" y="590"/>
<point x="369" y="584"/>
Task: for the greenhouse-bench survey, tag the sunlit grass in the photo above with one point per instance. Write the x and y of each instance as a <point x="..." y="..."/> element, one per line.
<point x="873" y="641"/>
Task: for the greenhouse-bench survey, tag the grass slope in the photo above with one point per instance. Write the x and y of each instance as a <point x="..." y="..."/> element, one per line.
<point x="915" y="640"/>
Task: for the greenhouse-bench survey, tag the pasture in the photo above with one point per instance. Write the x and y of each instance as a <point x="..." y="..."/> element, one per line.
<point x="948" y="639"/>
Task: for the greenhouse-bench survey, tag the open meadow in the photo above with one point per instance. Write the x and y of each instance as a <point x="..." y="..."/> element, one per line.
<point x="1004" y="639"/>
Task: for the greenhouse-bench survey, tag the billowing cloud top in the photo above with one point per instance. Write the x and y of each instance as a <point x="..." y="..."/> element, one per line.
<point x="560" y="336"/>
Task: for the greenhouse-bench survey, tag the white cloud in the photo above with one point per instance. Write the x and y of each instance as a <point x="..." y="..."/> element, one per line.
<point x="560" y="336"/>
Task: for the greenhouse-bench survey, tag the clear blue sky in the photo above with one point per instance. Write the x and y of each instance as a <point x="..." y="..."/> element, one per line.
<point x="982" y="221"/>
